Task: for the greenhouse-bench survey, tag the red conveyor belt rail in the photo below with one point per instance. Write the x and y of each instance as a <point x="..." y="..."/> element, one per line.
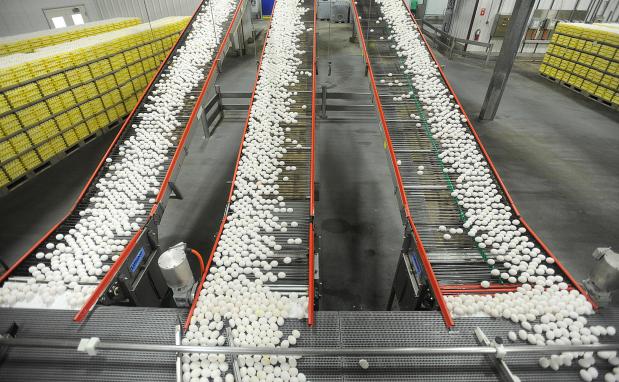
<point x="109" y="276"/>
<point x="439" y="289"/>
<point x="420" y="248"/>
<point x="310" y="287"/>
<point x="238" y="158"/>
<point x="510" y="200"/>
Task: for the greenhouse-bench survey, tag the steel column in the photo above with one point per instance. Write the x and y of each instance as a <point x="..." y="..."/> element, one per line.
<point x="505" y="61"/>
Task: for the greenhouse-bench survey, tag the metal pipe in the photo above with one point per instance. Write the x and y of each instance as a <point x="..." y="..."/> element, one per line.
<point x="177" y="341"/>
<point x="468" y="34"/>
<point x="301" y="351"/>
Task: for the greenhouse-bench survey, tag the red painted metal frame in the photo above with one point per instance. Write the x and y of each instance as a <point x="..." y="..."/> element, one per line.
<point x="493" y="168"/>
<point x="236" y="166"/>
<point x="6" y="274"/>
<point x="310" y="284"/>
<point x="456" y="289"/>
<point x="109" y="276"/>
<point x="476" y="288"/>
<point x="420" y="248"/>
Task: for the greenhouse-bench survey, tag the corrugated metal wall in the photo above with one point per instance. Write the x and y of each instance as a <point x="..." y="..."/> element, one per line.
<point x="463" y="13"/>
<point x="155" y="9"/>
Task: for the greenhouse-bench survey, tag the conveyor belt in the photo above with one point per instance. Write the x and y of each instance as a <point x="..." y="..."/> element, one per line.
<point x="331" y="330"/>
<point x="150" y="204"/>
<point x="147" y="325"/>
<point x="454" y="265"/>
<point x="297" y="190"/>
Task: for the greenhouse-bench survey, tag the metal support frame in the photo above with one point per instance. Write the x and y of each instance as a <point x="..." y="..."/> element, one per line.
<point x="205" y="127"/>
<point x="410" y="285"/>
<point x="216" y="106"/>
<point x="504" y="370"/>
<point x="353" y="37"/>
<point x="323" y="107"/>
<point x="449" y="11"/>
<point x="505" y="61"/>
<point x="176" y="193"/>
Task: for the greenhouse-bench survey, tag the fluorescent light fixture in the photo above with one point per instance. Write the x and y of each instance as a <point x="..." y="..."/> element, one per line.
<point x="77" y="19"/>
<point x="59" y="22"/>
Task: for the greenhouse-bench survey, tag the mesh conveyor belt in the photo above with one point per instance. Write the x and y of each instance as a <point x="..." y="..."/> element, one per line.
<point x="457" y="260"/>
<point x="296" y="190"/>
<point x="332" y="330"/>
<point x="147" y="325"/>
<point x="127" y="133"/>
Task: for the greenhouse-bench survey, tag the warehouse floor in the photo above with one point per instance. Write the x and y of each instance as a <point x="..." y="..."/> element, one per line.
<point x="556" y="151"/>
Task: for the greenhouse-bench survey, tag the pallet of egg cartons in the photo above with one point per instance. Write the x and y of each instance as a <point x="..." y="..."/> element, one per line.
<point x="54" y="98"/>
<point x="29" y="42"/>
<point x="585" y="57"/>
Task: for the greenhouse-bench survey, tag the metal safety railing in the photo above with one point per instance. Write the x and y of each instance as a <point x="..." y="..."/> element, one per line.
<point x="455" y="45"/>
<point x="451" y="45"/>
<point x="327" y="101"/>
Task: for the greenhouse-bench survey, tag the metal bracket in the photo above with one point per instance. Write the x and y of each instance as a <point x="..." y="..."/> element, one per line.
<point x="176" y="194"/>
<point x="498" y="359"/>
<point x="89" y="345"/>
<point x="235" y="358"/>
<point x="202" y="116"/>
<point x="10" y="333"/>
<point x="353" y="37"/>
<point x="323" y="106"/>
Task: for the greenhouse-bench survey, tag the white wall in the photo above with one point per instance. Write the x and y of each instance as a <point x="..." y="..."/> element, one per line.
<point x="435" y="7"/>
<point x="156" y="9"/>
<point x="22" y="16"/>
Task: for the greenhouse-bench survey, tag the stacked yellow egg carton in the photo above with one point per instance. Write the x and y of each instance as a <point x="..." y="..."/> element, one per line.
<point x="55" y="97"/>
<point x="29" y="42"/>
<point x="586" y="57"/>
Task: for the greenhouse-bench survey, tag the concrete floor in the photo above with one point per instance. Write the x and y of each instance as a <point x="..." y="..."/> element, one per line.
<point x="357" y="214"/>
<point x="33" y="208"/>
<point x="555" y="150"/>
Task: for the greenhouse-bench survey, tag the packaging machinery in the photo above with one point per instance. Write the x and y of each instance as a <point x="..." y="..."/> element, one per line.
<point x="421" y="341"/>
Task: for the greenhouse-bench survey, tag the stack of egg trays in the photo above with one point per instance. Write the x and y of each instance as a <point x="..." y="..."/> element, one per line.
<point x="585" y="57"/>
<point x="29" y="42"/>
<point x="79" y="94"/>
